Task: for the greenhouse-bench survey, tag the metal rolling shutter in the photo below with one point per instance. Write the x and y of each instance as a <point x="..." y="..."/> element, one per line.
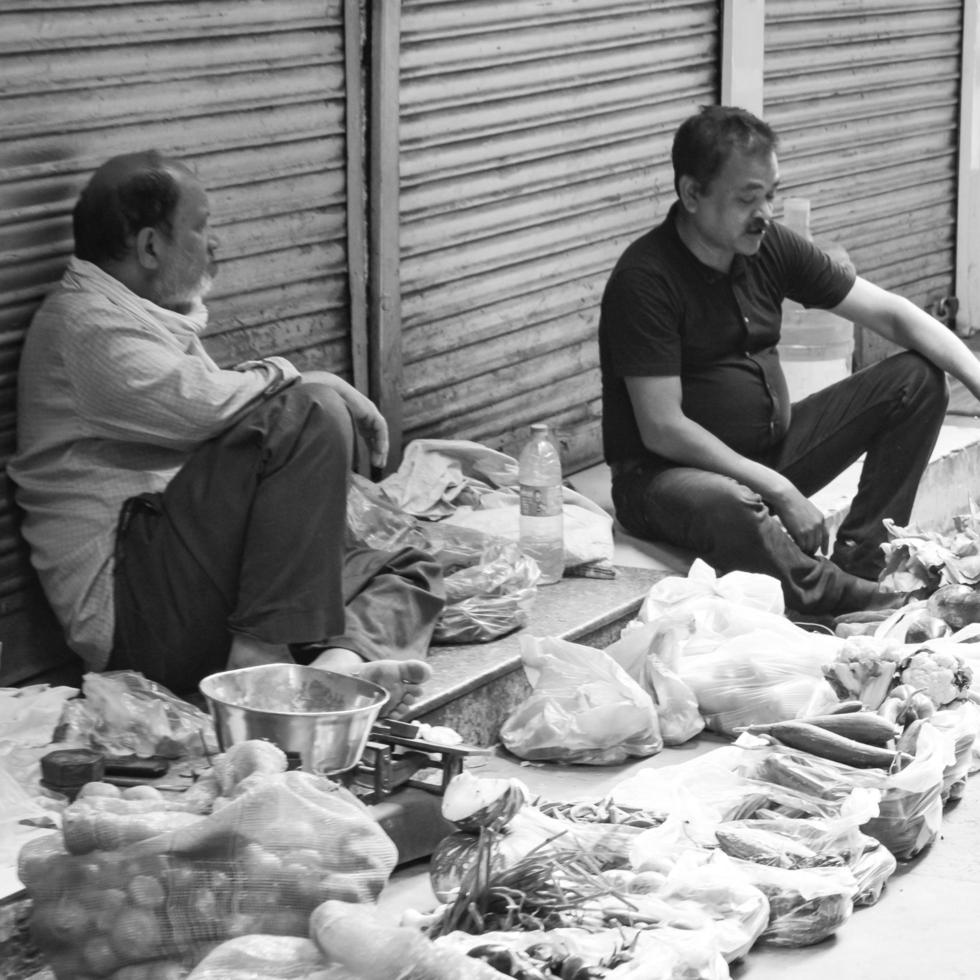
<point x="865" y="97"/>
<point x="250" y="93"/>
<point x="535" y="145"/>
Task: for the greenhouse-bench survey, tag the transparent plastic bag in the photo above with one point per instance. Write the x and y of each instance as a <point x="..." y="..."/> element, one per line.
<point x="583" y="708"/>
<point x="267" y="958"/>
<point x="490" y="599"/>
<point x="961" y="720"/>
<point x="753" y="678"/>
<point x="911" y="808"/>
<point x="650" y="654"/>
<point x="910" y="805"/>
<point x="748" y="590"/>
<point x="806" y="905"/>
<point x="871" y="869"/>
<point x="125" y="713"/>
<point x="259" y="863"/>
<point x="713" y="883"/>
<point x="374" y="521"/>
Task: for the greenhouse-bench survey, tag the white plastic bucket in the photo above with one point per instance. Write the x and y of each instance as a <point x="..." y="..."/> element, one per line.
<point x="816" y="349"/>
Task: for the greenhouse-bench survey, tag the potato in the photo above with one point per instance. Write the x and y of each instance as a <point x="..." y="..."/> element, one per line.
<point x="63" y="923"/>
<point x="147" y="892"/>
<point x="135" y="935"/>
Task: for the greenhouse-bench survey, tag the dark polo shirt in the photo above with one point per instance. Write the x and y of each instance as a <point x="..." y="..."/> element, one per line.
<point x="664" y="313"/>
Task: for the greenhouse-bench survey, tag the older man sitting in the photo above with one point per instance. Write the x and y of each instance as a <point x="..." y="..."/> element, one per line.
<point x="186" y="518"/>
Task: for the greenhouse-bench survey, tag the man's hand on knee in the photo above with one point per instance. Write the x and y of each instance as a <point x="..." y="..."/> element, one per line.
<point x="368" y="420"/>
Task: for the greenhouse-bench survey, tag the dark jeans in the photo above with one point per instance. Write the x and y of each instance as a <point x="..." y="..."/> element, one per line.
<point x="249" y="537"/>
<point x="892" y="411"/>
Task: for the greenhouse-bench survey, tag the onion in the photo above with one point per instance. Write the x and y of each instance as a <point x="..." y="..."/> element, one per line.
<point x="473" y="802"/>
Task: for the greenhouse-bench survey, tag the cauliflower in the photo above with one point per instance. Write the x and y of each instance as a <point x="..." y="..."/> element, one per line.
<point x="864" y="669"/>
<point x="940" y="674"/>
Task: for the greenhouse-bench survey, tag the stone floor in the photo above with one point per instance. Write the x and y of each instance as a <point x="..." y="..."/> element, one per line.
<point x="924" y="927"/>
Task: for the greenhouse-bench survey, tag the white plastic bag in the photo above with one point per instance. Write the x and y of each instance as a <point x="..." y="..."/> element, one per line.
<point x="806" y="904"/>
<point x="584" y="708"/>
<point x="261" y="957"/>
<point x="651" y="656"/>
<point x="126" y="713"/>
<point x="747" y="589"/>
<point x="911" y="808"/>
<point x="754" y="678"/>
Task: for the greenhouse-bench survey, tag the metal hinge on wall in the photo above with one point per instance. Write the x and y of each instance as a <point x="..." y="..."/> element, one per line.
<point x="945" y="310"/>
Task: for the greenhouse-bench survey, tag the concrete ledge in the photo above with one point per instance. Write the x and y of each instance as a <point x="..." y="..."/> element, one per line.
<point x="475" y="686"/>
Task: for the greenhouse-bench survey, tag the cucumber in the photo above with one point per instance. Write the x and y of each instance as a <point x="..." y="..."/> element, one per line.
<point x="826" y="744"/>
<point x="862" y="726"/>
<point x="846" y="707"/>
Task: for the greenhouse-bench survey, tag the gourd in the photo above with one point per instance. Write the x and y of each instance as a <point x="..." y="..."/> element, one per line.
<point x="828" y="745"/>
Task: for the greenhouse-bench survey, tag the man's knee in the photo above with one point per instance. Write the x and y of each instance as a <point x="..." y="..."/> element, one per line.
<point x="318" y="406"/>
<point x="922" y="379"/>
<point x="726" y="503"/>
<point x="716" y="511"/>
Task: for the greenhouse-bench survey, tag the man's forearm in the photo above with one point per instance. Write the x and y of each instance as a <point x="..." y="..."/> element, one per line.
<point x="689" y="444"/>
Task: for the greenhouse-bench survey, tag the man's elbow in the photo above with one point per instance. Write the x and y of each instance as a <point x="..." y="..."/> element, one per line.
<point x="663" y="440"/>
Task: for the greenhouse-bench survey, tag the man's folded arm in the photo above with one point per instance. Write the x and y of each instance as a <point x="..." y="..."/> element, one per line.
<point x="131" y="385"/>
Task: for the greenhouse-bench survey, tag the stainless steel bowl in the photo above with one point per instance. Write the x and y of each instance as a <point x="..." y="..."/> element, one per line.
<point x="318" y="717"/>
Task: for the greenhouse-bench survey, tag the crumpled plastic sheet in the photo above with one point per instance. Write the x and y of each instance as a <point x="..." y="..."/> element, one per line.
<point x="470" y="485"/>
<point x="28" y="718"/>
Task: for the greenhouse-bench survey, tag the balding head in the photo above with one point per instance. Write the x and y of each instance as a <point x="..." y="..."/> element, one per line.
<point x="127" y="193"/>
<point x="143" y="218"/>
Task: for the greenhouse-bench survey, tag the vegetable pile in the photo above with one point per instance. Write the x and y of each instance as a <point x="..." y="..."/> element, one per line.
<point x="846" y="750"/>
<point x="139" y="886"/>
<point x="837" y="773"/>
<point x="915" y="558"/>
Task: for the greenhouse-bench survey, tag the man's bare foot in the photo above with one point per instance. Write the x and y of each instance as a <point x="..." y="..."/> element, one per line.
<point x="402" y="679"/>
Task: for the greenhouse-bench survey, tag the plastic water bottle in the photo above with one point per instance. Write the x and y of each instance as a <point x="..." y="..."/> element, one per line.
<point x="541" y="525"/>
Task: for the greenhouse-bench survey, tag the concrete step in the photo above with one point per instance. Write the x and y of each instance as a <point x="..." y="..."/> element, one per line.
<point x="476" y="686"/>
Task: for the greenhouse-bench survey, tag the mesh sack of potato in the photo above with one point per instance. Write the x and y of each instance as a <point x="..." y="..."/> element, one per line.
<point x="108" y="903"/>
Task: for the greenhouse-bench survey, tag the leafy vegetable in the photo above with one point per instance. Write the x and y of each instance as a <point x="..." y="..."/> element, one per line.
<point x="864" y="669"/>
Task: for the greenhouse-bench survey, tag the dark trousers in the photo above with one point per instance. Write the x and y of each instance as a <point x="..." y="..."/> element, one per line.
<point x="892" y="410"/>
<point x="249" y="538"/>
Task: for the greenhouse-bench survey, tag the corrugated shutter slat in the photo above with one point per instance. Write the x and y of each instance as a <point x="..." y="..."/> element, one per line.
<point x="535" y="141"/>
<point x="865" y="96"/>
<point x="251" y="94"/>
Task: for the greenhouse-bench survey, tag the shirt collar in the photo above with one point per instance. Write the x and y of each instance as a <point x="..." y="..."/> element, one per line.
<point x="84" y="275"/>
<point x="710" y="275"/>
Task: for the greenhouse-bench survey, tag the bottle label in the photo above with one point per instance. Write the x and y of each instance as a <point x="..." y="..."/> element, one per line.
<point x="540" y="501"/>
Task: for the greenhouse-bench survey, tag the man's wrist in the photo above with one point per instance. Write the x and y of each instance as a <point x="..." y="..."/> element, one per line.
<point x="281" y="372"/>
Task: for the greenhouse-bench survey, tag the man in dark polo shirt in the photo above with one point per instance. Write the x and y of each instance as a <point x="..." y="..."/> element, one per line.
<point x="706" y="451"/>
